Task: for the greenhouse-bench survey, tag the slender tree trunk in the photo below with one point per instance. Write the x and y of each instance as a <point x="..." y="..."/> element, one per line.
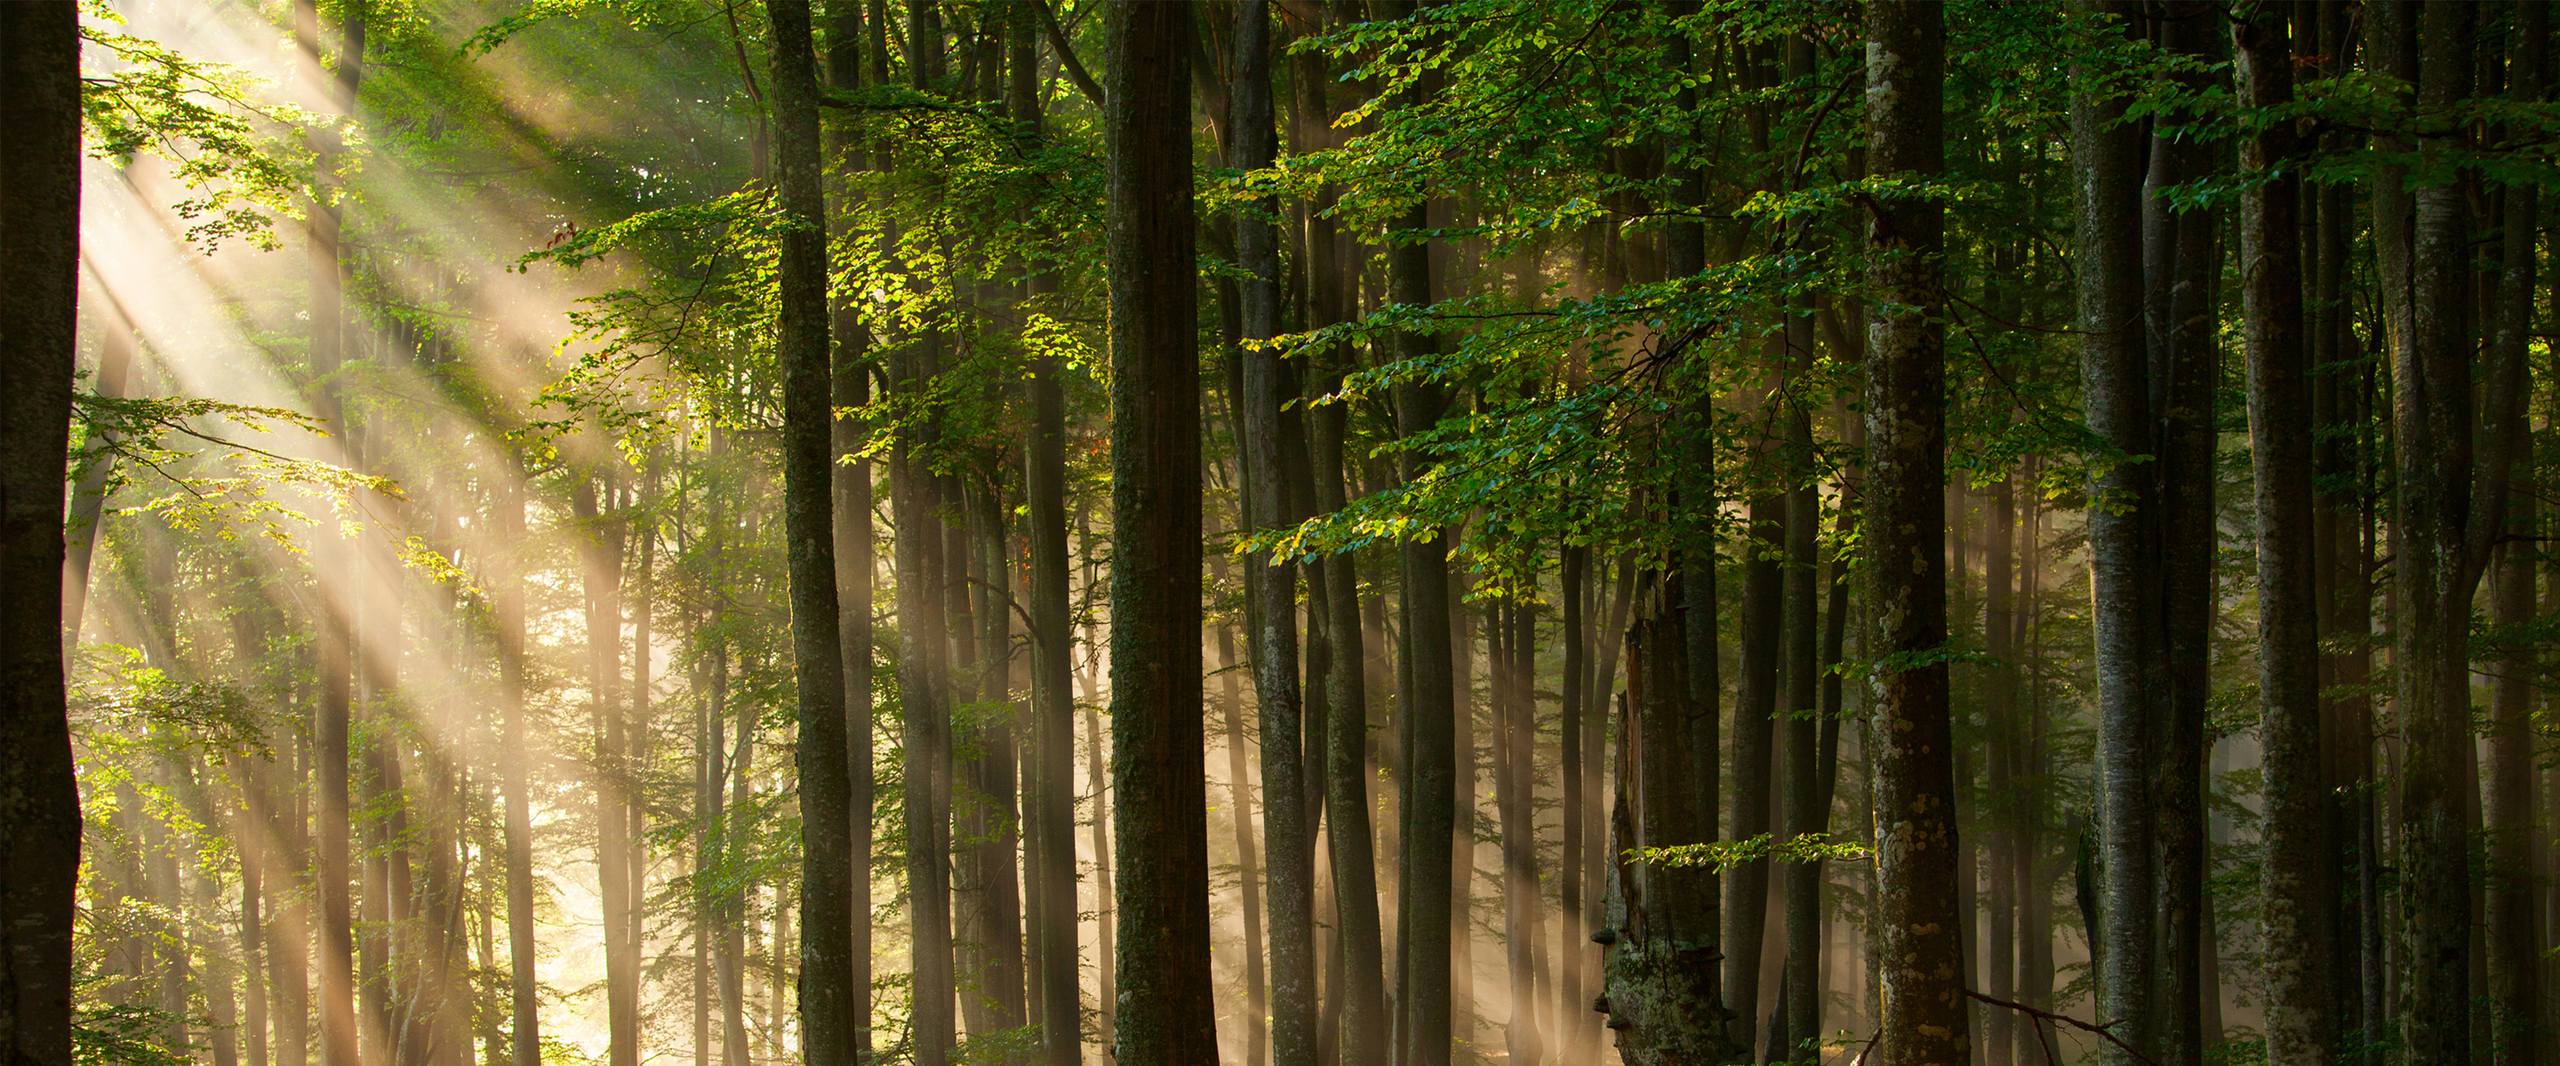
<point x="831" y="1004"/>
<point x="507" y="602"/>
<point x="1240" y="818"/>
<point x="2513" y="939"/>
<point x="1922" y="965"/>
<point x="1524" y="1041"/>
<point x="2107" y="159"/>
<point x="1425" y="892"/>
<point x="849" y="390"/>
<point x="1463" y="848"/>
<point x="1165" y="1012"/>
<point x="1746" y="886"/>
<point x="1056" y="1001"/>
<point x="2182" y="258"/>
<point x="336" y="637"/>
<point x="1288" y="823"/>
<point x="2300" y="1028"/>
<point x="1573" y="1003"/>
<point x="93" y="469"/>
<point x="1799" y="654"/>
<point x="1348" y="840"/>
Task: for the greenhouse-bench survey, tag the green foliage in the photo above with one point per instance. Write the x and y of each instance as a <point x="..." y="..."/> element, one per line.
<point x="1723" y="855"/>
<point x="222" y="485"/>
<point x="237" y="154"/>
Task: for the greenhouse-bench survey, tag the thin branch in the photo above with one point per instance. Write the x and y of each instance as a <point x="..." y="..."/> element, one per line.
<point x="1067" y="60"/>
<point x="2040" y="1014"/>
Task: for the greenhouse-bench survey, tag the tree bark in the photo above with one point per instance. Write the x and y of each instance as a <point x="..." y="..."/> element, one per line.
<point x="39" y="791"/>
<point x="1348" y="837"/>
<point x="2445" y="516"/>
<point x="1165" y="1013"/>
<point x="831" y="1006"/>
<point x="2300" y="1027"/>
<point x="849" y="390"/>
<point x="1425" y="891"/>
<point x="2107" y="161"/>
<point x="2514" y="941"/>
<point x="1056" y="1000"/>
<point x="1288" y="826"/>
<point x="1921" y="967"/>
<point x="1658" y="977"/>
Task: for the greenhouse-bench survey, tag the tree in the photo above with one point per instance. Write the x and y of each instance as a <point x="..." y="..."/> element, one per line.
<point x="39" y="794"/>
<point x="1050" y="805"/>
<point x="832" y="1008"/>
<point x="1289" y="828"/>
<point x="1165" y="1012"/>
<point x="2300" y="1028"/>
<point x="1921" y="962"/>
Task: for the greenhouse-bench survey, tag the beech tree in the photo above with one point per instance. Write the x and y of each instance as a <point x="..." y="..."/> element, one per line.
<point x="672" y="532"/>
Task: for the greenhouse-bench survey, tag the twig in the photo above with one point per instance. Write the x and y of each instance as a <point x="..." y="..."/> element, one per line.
<point x="2041" y="1014"/>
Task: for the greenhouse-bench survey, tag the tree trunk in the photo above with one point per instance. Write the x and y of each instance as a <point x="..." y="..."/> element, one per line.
<point x="508" y="604"/>
<point x="2514" y="942"/>
<point x="1659" y="978"/>
<point x="2443" y="524"/>
<point x="39" y="792"/>
<point x="1165" y="1009"/>
<point x="2181" y="263"/>
<point x="1573" y="1002"/>
<point x="1921" y="963"/>
<point x="1425" y="892"/>
<point x="1056" y="1001"/>
<point x="1347" y="779"/>
<point x="849" y="390"/>
<point x="2300" y="1028"/>
<point x="2107" y="156"/>
<point x="1240" y="818"/>
<point x="1506" y="650"/>
<point x="336" y="638"/>
<point x="831" y="1005"/>
<point x="1288" y="826"/>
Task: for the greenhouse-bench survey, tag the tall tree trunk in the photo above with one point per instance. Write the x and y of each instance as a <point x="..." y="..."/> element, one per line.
<point x="831" y="1005"/>
<point x="1800" y="654"/>
<point x="925" y="681"/>
<point x="1921" y="963"/>
<point x="2446" y="514"/>
<point x="600" y="550"/>
<point x="1573" y="1003"/>
<point x="849" y="388"/>
<point x="2300" y="1027"/>
<point x="1165" y="1012"/>
<point x="1348" y="839"/>
<point x="2107" y="159"/>
<point x="1694" y="508"/>
<point x="2182" y="258"/>
<point x="1288" y="823"/>
<point x="1505" y="651"/>
<point x="1089" y="686"/>
<point x="2513" y="939"/>
<point x="1465" y="812"/>
<point x="1425" y="891"/>
<point x="336" y="639"/>
<point x="508" y="604"/>
<point x="39" y="791"/>
<point x="1056" y="1000"/>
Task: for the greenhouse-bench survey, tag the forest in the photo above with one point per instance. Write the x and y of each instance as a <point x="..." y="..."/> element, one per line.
<point x="1279" y="533"/>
